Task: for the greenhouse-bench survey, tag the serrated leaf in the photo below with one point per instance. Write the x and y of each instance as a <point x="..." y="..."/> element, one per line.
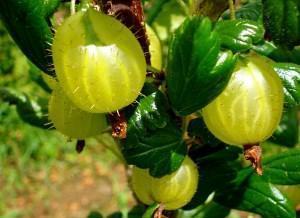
<point x="290" y="76"/>
<point x="284" y="168"/>
<point x="287" y="132"/>
<point x="153" y="140"/>
<point x="28" y="22"/>
<point x="251" y="193"/>
<point x="282" y="21"/>
<point x="197" y="70"/>
<point x="239" y="35"/>
<point x="210" y="210"/>
<point x="30" y="111"/>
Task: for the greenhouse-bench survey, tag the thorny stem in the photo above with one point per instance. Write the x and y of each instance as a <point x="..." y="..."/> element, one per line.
<point x="253" y="153"/>
<point x="232" y="9"/>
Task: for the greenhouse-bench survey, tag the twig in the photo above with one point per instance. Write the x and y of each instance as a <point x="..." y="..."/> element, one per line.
<point x="232" y="9"/>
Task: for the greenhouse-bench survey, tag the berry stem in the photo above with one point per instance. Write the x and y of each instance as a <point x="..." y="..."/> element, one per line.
<point x="253" y="153"/>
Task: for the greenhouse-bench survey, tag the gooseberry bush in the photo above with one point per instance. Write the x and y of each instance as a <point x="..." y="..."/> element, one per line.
<point x="189" y="90"/>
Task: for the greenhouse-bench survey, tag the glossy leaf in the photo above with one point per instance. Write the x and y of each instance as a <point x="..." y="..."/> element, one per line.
<point x="239" y="35"/>
<point x="28" y="22"/>
<point x="290" y="76"/>
<point x="153" y="140"/>
<point x="282" y="21"/>
<point x="249" y="192"/>
<point x="30" y="111"/>
<point x="287" y="133"/>
<point x="283" y="169"/>
<point x="278" y="54"/>
<point x="197" y="70"/>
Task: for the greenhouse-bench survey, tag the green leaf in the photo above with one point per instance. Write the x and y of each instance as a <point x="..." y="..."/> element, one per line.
<point x="28" y="22"/>
<point x="287" y="133"/>
<point x="278" y="54"/>
<point x="224" y="168"/>
<point x="282" y="21"/>
<point x="290" y="76"/>
<point x="210" y="210"/>
<point x="283" y="168"/>
<point x="153" y="140"/>
<point x="30" y="111"/>
<point x="250" y="192"/>
<point x="239" y="35"/>
<point x="150" y="211"/>
<point x="197" y="70"/>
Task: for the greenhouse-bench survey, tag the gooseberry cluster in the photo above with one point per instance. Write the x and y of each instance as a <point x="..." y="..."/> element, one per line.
<point x="99" y="72"/>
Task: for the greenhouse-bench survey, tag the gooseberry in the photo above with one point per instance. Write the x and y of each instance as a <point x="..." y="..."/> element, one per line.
<point x="72" y="121"/>
<point x="98" y="61"/>
<point x="248" y="111"/>
<point x="172" y="191"/>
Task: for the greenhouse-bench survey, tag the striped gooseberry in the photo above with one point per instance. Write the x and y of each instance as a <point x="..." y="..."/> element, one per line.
<point x="172" y="191"/>
<point x="72" y="121"/>
<point x="249" y="109"/>
<point x="98" y="61"/>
